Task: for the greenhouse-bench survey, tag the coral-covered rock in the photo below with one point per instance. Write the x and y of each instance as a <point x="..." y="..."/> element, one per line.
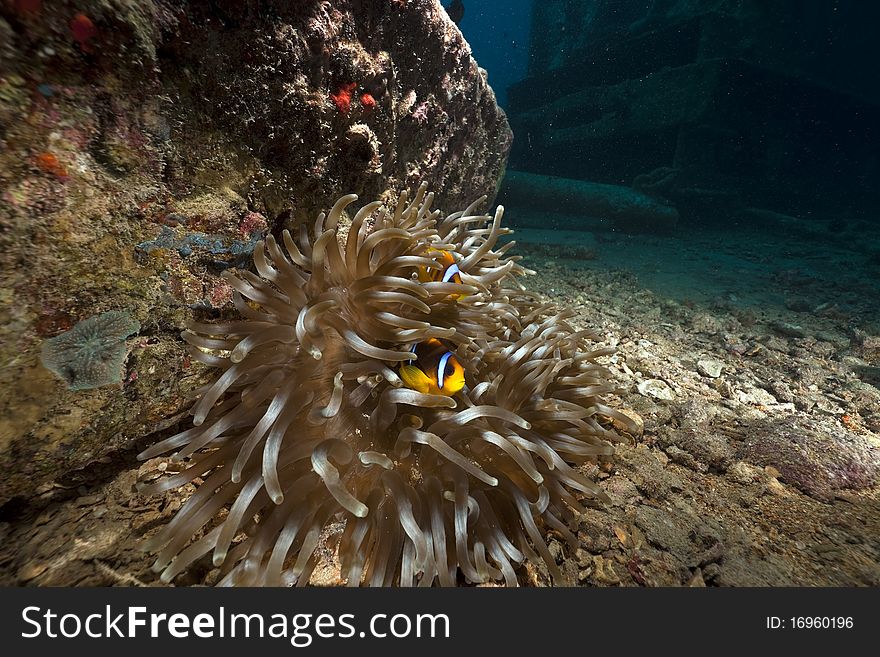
<point x="821" y="458"/>
<point x="146" y="146"/>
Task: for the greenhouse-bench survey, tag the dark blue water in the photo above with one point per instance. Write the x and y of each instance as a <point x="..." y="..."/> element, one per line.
<point x="499" y="35"/>
<point x="750" y="131"/>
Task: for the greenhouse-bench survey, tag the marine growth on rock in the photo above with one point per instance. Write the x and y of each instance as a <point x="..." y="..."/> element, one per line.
<point x="92" y="353"/>
<point x="339" y="416"/>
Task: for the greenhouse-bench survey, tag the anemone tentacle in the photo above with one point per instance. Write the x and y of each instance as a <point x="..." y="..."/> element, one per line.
<point x="308" y="423"/>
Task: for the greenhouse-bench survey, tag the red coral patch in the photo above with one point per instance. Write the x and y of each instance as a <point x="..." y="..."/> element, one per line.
<point x="342" y="97"/>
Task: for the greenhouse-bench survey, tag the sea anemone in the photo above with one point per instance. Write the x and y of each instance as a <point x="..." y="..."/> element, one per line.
<point x="309" y="435"/>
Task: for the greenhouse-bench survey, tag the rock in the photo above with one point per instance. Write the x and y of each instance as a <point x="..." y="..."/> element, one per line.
<point x="694" y="447"/>
<point x="773" y="487"/>
<point x="621" y="490"/>
<point x="644" y="470"/>
<point x="32" y="570"/>
<point x="695" y="413"/>
<point x="815" y="455"/>
<point x="604" y="571"/>
<point x="627" y="209"/>
<point x="697" y="580"/>
<point x="756" y="396"/>
<point x="743" y="473"/>
<point x="657" y="389"/>
<point x="637" y="420"/>
<point x="678" y="455"/>
<point x="781" y="391"/>
<point x="709" y="367"/>
<point x="788" y="329"/>
<point x="191" y="131"/>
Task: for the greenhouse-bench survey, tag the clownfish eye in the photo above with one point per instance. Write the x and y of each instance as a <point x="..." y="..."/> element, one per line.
<point x="449" y="369"/>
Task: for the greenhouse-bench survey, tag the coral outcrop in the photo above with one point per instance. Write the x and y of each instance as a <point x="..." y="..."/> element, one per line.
<point x="147" y="146"/>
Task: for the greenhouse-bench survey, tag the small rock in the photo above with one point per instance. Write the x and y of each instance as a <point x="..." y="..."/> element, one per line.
<point x="781" y="391"/>
<point x="697" y="580"/>
<point x="584" y="558"/>
<point x="789" y="330"/>
<point x="657" y="389"/>
<point x="88" y="500"/>
<point x="711" y="571"/>
<point x="743" y="473"/>
<point x="605" y="573"/>
<point x="724" y="388"/>
<point x="678" y="455"/>
<point x="756" y="396"/>
<point x="710" y="368"/>
<point x="774" y="487"/>
<point x="639" y="423"/>
<point x="713" y="555"/>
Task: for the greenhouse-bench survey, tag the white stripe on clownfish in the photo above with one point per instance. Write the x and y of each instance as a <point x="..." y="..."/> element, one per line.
<point x="441" y="368"/>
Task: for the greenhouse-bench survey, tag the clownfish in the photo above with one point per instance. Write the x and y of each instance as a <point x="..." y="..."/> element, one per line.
<point x="435" y="371"/>
<point x="448" y="274"/>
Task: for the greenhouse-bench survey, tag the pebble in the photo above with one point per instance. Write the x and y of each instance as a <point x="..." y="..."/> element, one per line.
<point x="789" y="330"/>
<point x="605" y="573"/>
<point x="657" y="389"/>
<point x="710" y="368"/>
<point x="681" y="457"/>
<point x="697" y="580"/>
<point x="632" y="415"/>
<point x="743" y="473"/>
<point x="776" y="488"/>
<point x="756" y="396"/>
<point x="88" y="500"/>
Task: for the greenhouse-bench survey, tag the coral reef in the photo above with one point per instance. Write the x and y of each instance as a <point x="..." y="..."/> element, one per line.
<point x="146" y="146"/>
<point x="309" y="424"/>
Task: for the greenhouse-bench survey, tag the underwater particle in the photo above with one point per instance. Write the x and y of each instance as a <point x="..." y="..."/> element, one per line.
<point x="83" y="30"/>
<point x="368" y="102"/>
<point x="49" y="163"/>
<point x="342" y="97"/>
<point x="90" y="354"/>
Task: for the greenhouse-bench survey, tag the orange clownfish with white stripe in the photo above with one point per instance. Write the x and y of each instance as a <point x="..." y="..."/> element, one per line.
<point x="435" y="370"/>
<point x="449" y="272"/>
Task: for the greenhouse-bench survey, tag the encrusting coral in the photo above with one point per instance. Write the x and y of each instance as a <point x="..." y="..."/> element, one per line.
<point x="310" y="423"/>
<point x="92" y="353"/>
